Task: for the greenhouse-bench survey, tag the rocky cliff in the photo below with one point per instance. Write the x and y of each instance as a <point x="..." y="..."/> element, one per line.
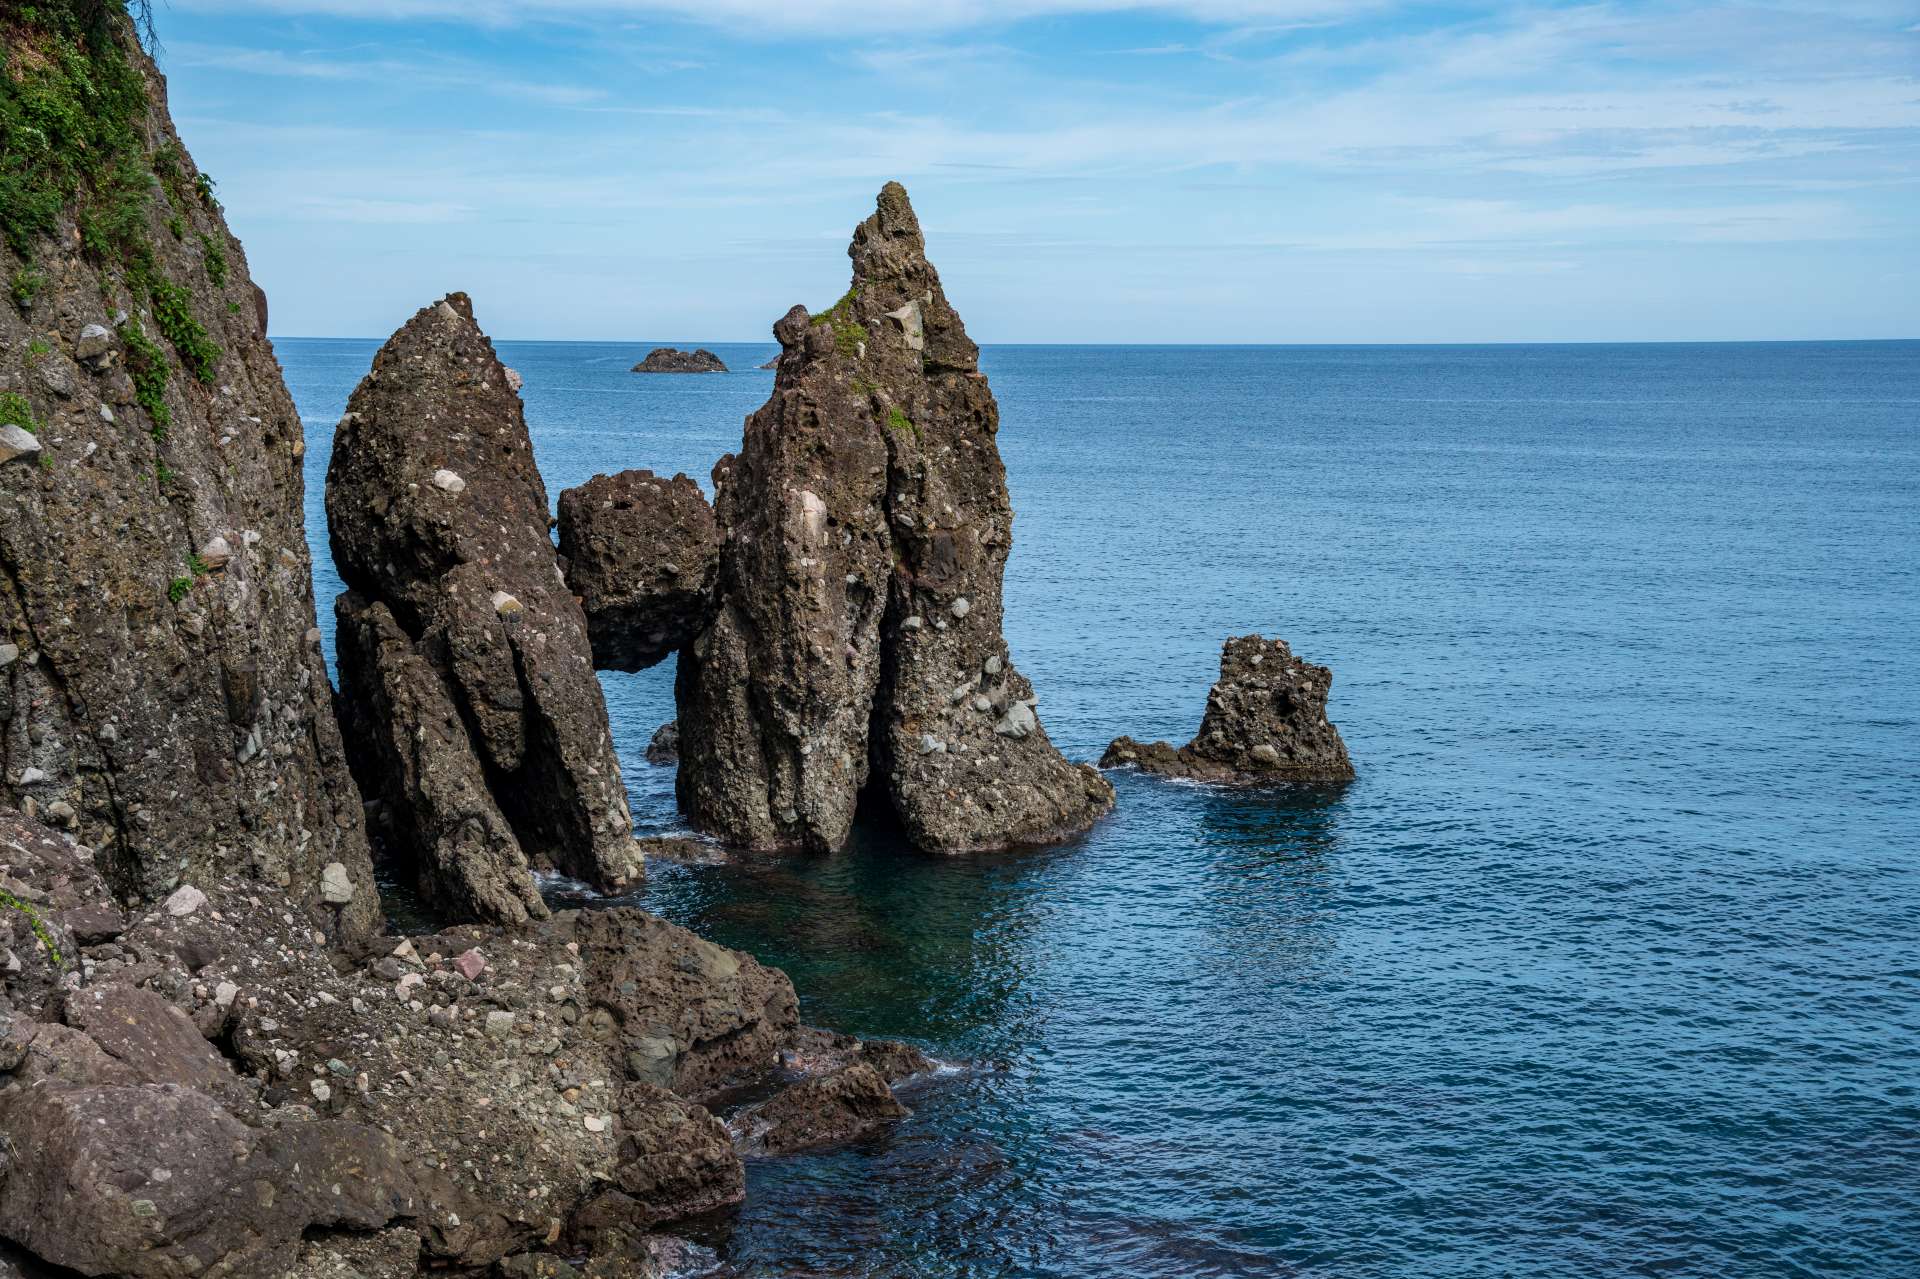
<point x="459" y="631"/>
<point x="162" y="693"/>
<point x="1266" y="721"/>
<point x="865" y="528"/>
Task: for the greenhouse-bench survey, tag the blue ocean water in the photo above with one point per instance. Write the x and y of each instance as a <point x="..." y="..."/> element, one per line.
<point x="1609" y="962"/>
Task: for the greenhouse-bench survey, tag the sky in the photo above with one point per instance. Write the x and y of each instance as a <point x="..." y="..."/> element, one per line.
<point x="1085" y="170"/>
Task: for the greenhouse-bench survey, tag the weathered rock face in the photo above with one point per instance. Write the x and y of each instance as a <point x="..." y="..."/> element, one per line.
<point x="1266" y="721"/>
<point x="438" y="520"/>
<point x="643" y="555"/>
<point x="667" y="359"/>
<point x="162" y="692"/>
<point x="865" y="528"/>
<point x="832" y="1108"/>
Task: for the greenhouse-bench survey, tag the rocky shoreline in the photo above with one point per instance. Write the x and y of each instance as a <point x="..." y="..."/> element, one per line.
<point x="194" y="955"/>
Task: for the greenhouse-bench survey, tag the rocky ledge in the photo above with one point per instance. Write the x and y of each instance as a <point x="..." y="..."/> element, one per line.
<point x="1266" y="721"/>
<point x="466" y="1097"/>
<point x="669" y="359"/>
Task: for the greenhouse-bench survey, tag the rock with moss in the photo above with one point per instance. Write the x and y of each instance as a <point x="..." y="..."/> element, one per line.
<point x="642" y="553"/>
<point x="1266" y="722"/>
<point x="437" y="513"/>
<point x="171" y="712"/>
<point x="865" y="530"/>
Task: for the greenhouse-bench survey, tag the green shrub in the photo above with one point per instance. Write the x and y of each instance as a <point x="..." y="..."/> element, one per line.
<point x="38" y="925"/>
<point x="25" y="286"/>
<point x="214" y="255"/>
<point x="177" y="589"/>
<point x="14" y="409"/>
<point x="901" y="422"/>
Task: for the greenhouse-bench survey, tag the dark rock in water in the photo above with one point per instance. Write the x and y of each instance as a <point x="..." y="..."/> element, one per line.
<point x="162" y="691"/>
<point x="774" y="363"/>
<point x="438" y="520"/>
<point x="410" y="739"/>
<point x="664" y="746"/>
<point x="866" y="527"/>
<point x="822" y="1052"/>
<point x="667" y="359"/>
<point x="1266" y="721"/>
<point x="817" y="1112"/>
<point x="643" y="555"/>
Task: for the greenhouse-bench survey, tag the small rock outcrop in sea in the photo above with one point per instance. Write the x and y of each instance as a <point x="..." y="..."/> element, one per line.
<point x="643" y="555"/>
<point x="163" y="695"/>
<point x="668" y="359"/>
<point x="466" y="679"/>
<point x="774" y="363"/>
<point x="664" y="746"/>
<point x="865" y="529"/>
<point x="1266" y="721"/>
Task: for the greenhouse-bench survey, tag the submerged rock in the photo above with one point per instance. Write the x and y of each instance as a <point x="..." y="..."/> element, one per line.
<point x="643" y="555"/>
<point x="816" y="1112"/>
<point x="667" y="359"/>
<point x="466" y="676"/>
<point x="169" y="701"/>
<point x="1266" y="721"/>
<point x="865" y="529"/>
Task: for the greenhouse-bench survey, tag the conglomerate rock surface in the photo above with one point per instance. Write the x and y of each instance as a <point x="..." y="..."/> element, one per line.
<point x="865" y="528"/>
<point x="643" y="555"/>
<point x="162" y="690"/>
<point x="1266" y="721"/>
<point x="206" y="1088"/>
<point x="438" y="521"/>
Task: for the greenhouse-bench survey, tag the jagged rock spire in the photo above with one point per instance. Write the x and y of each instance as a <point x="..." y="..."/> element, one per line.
<point x="866" y="527"/>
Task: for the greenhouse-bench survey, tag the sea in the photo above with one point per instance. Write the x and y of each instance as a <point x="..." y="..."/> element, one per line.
<point x="1607" y="964"/>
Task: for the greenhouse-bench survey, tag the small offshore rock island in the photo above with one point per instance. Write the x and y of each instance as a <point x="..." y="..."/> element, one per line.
<point x="196" y="957"/>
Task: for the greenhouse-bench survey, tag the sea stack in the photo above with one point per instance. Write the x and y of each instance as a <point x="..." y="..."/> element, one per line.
<point x="438" y="521"/>
<point x="643" y="554"/>
<point x="1266" y="721"/>
<point x="865" y="529"/>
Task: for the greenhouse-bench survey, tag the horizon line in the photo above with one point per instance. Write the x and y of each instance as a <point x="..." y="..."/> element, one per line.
<point x="769" y="342"/>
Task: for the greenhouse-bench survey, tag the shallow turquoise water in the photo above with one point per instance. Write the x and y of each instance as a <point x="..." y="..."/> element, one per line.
<point x="1609" y="962"/>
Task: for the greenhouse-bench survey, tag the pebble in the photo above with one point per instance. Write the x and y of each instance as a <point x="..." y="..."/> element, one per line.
<point x="470" y="964"/>
<point x="994" y="665"/>
<point x="225" y="993"/>
<point x="185" y="900"/>
<point x="930" y="745"/>
<point x="595" y="1123"/>
<point x="960" y="607"/>
<point x="448" y="482"/>
<point x="321" y="1093"/>
<point x="216" y="552"/>
<point x="505" y="604"/>
<point x="499" y="1023"/>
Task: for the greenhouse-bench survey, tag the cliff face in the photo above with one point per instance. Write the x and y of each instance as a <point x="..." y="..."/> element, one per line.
<point x="162" y="693"/>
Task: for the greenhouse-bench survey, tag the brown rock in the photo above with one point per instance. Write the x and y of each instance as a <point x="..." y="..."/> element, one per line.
<point x="436" y="511"/>
<point x="819" y="1111"/>
<point x="1266" y="722"/>
<point x="643" y="555"/>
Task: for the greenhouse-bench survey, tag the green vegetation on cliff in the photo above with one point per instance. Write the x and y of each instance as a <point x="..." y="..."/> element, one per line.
<point x="74" y="140"/>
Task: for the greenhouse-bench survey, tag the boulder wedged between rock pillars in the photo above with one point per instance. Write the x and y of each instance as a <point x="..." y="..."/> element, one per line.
<point x="501" y="756"/>
<point x="856" y="634"/>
